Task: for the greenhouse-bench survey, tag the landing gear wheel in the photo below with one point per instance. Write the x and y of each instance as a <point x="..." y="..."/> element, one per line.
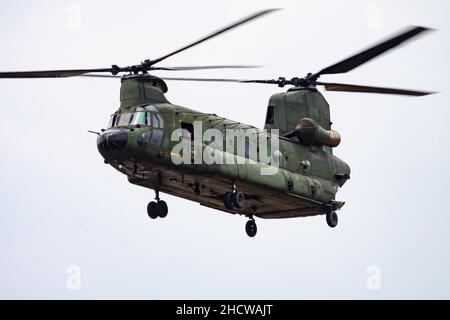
<point x="238" y="199"/>
<point x="332" y="219"/>
<point x="228" y="200"/>
<point x="152" y="210"/>
<point x="250" y="228"/>
<point x="162" y="209"/>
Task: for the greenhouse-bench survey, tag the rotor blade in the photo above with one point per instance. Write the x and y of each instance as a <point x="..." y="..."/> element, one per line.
<point x="50" y="73"/>
<point x="188" y="79"/>
<point x="101" y="76"/>
<point x="203" y="67"/>
<point x="182" y="79"/>
<point x="369" y="89"/>
<point x="216" y="33"/>
<point x="220" y="80"/>
<point x="370" y="53"/>
<point x="202" y="79"/>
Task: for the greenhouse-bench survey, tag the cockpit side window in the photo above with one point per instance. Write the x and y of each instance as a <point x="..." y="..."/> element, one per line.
<point x="158" y="121"/>
<point x="158" y="124"/>
<point x="112" y="120"/>
<point x="155" y="120"/>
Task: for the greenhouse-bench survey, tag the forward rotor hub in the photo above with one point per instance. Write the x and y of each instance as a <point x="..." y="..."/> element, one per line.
<point x="296" y="82"/>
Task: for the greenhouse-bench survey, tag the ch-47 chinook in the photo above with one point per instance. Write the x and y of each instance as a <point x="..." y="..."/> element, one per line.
<point x="138" y="140"/>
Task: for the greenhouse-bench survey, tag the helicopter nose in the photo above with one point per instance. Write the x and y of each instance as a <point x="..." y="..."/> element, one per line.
<point x="112" y="140"/>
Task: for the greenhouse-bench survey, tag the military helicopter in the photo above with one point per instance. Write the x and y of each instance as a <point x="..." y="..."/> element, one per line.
<point x="137" y="141"/>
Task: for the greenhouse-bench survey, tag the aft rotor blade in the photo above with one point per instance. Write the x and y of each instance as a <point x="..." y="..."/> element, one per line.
<point x="370" y="53"/>
<point x="216" y="33"/>
<point x="51" y="73"/>
<point x="204" y="67"/>
<point x="369" y="89"/>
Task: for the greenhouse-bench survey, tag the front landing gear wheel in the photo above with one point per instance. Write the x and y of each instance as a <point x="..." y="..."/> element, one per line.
<point x="152" y="210"/>
<point x="332" y="219"/>
<point x="157" y="208"/>
<point x="250" y="228"/>
<point x="162" y="209"/>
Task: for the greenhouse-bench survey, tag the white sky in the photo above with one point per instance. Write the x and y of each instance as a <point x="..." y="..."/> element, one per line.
<point x="61" y="206"/>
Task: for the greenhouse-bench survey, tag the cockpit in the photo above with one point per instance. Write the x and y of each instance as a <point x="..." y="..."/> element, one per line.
<point x="142" y="116"/>
<point x="146" y="117"/>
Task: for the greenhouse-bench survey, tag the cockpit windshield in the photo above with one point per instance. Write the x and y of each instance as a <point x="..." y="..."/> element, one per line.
<point x="124" y="119"/>
<point x="142" y="116"/>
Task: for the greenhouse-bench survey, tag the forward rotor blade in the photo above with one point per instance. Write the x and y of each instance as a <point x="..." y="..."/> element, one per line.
<point x="370" y="53"/>
<point x="101" y="76"/>
<point x="216" y="33"/>
<point x="203" y="79"/>
<point x="203" y="67"/>
<point x="369" y="89"/>
<point x="50" y="73"/>
<point x="189" y="79"/>
<point x="272" y="81"/>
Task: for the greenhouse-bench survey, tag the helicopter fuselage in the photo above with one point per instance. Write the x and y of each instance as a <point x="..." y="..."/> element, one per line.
<point x="297" y="180"/>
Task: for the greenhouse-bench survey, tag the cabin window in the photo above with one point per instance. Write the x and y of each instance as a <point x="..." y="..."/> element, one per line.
<point x="247" y="149"/>
<point x="188" y="131"/>
<point x="270" y="115"/>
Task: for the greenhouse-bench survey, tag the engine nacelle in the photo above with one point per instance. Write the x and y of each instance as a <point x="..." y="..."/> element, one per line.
<point x="309" y="132"/>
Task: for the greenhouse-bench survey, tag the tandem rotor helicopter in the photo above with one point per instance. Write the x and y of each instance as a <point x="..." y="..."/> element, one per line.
<point x="137" y="141"/>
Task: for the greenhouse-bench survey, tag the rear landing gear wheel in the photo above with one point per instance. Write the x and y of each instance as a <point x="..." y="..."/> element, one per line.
<point x="234" y="200"/>
<point x="228" y="200"/>
<point x="332" y="219"/>
<point x="250" y="228"/>
<point x="238" y="199"/>
<point x="152" y="210"/>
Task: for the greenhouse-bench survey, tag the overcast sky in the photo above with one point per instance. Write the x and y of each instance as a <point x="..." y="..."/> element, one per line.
<point x="64" y="213"/>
